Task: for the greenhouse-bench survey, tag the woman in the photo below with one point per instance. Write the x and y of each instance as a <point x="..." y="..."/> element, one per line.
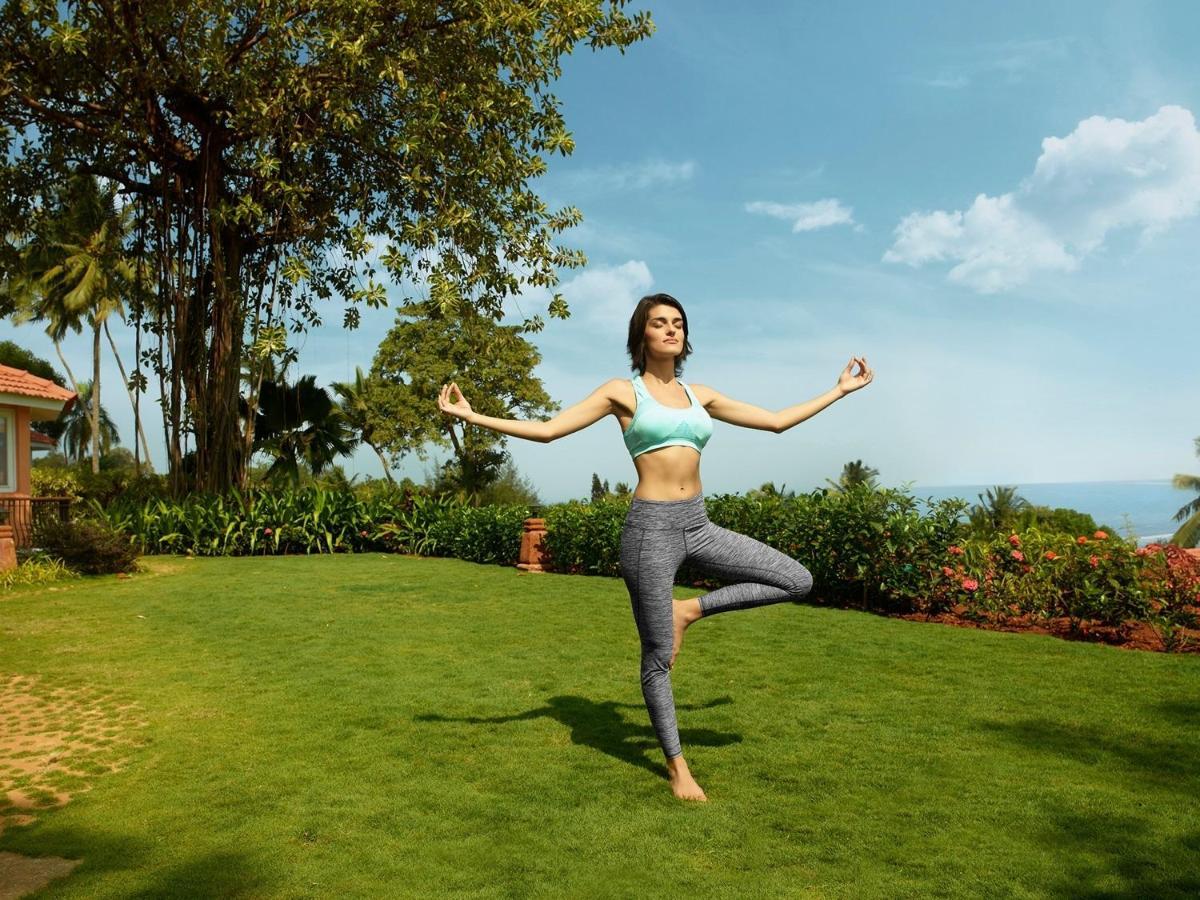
<point x="666" y="424"/>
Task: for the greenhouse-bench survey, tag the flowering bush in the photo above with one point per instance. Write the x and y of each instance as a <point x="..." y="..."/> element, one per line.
<point x="1092" y="577"/>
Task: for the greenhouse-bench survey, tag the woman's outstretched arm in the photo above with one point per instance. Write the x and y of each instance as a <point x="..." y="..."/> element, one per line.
<point x="737" y="412"/>
<point x="591" y="409"/>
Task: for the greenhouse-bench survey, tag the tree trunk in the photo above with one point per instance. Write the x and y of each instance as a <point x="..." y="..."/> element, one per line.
<point x="382" y="460"/>
<point x="137" y="423"/>
<point x="95" y="398"/>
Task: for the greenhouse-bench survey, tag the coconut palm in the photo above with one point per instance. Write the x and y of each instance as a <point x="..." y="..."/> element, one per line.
<point x="299" y="422"/>
<point x="77" y="270"/>
<point x="77" y="423"/>
<point x="855" y="473"/>
<point x="999" y="511"/>
<point x="357" y="411"/>
<point x="1188" y="534"/>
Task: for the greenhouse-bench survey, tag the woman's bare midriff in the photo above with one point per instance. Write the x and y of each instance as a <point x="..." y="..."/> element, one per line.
<point x="668" y="473"/>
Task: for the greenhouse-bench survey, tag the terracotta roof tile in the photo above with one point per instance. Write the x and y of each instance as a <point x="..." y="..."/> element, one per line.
<point x="18" y="381"/>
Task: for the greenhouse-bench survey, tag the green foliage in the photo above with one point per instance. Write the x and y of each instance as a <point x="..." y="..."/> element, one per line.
<point x="38" y="567"/>
<point x="482" y="534"/>
<point x="300" y="150"/>
<point x="585" y="537"/>
<point x="88" y="547"/>
<point x="492" y="364"/>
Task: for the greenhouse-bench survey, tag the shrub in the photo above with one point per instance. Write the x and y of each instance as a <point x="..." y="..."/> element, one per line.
<point x="88" y="547"/>
<point x="37" y="568"/>
<point x="585" y="538"/>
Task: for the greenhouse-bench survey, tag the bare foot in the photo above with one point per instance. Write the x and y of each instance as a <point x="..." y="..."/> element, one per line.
<point x="684" y="612"/>
<point x="683" y="785"/>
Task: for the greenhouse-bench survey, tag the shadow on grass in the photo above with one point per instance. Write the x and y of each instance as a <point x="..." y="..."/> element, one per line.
<point x="222" y="873"/>
<point x="599" y="725"/>
<point x="1102" y="854"/>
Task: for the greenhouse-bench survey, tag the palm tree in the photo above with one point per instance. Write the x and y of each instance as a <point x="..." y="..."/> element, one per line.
<point x="77" y="269"/>
<point x="999" y="510"/>
<point x="357" y="410"/>
<point x="855" y="473"/>
<point x="78" y="426"/>
<point x="1188" y="534"/>
<point x="299" y="422"/>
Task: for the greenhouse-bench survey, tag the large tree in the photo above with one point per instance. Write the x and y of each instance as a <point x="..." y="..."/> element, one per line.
<point x="492" y="364"/>
<point x="284" y="149"/>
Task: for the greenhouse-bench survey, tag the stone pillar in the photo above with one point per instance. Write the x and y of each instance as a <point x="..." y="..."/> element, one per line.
<point x="8" y="549"/>
<point x="531" y="545"/>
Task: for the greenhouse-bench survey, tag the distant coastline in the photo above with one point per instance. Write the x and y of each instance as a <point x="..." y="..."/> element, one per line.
<point x="1149" y="503"/>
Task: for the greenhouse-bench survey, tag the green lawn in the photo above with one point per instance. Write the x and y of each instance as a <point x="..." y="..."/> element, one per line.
<point x="385" y="726"/>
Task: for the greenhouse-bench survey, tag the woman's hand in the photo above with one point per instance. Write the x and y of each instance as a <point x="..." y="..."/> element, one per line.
<point x="461" y="409"/>
<point x="849" y="382"/>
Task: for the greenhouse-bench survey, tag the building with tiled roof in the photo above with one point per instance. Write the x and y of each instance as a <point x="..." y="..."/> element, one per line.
<point x="24" y="398"/>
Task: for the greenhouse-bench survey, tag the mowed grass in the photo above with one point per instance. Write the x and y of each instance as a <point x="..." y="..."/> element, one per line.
<point x="387" y="726"/>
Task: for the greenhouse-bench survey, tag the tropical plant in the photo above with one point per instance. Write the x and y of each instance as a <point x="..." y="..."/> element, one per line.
<point x="80" y="432"/>
<point x="1188" y="534"/>
<point x="853" y="474"/>
<point x="998" y="511"/>
<point x="300" y="423"/>
<point x="75" y="268"/>
<point x="357" y="410"/>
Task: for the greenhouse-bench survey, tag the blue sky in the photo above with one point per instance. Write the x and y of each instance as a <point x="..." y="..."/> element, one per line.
<point x="996" y="203"/>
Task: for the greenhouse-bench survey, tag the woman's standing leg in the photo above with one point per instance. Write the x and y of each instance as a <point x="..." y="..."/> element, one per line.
<point x="652" y="549"/>
<point x="649" y="560"/>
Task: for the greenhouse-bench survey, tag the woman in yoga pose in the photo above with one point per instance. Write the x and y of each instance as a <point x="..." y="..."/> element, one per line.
<point x="666" y="424"/>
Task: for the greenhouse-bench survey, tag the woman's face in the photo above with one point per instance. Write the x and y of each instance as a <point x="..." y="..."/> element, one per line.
<point x="664" y="330"/>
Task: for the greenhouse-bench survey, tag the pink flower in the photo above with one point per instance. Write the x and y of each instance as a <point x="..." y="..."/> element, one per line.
<point x="970" y="584"/>
<point x="362" y="534"/>
<point x="266" y="531"/>
<point x="1018" y="556"/>
<point x="1027" y="568"/>
<point x="1050" y="554"/>
<point x="954" y="550"/>
<point x="1100" y="535"/>
<point x="1081" y="540"/>
<point x="1014" y="540"/>
<point x="947" y="571"/>
<point x="1094" y="561"/>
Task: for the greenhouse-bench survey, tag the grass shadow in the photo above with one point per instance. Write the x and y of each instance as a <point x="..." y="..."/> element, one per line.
<point x="600" y="725"/>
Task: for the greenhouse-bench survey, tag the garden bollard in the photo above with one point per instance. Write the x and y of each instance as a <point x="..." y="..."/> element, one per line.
<point x="531" y="546"/>
<point x="8" y="549"/>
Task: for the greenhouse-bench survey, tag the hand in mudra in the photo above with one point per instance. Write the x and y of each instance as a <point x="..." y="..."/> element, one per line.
<point x="461" y="409"/>
<point x="848" y="381"/>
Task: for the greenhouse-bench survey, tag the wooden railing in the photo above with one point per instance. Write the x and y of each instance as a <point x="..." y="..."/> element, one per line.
<point x="24" y="513"/>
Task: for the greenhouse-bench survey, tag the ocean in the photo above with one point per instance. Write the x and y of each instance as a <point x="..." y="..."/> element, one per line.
<point x="1149" y="505"/>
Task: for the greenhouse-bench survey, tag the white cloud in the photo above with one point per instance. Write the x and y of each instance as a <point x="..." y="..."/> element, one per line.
<point x="1108" y="174"/>
<point x="604" y="294"/>
<point x="635" y="176"/>
<point x="806" y="216"/>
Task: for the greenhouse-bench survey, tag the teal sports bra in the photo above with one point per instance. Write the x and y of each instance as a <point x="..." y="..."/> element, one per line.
<point x="654" y="425"/>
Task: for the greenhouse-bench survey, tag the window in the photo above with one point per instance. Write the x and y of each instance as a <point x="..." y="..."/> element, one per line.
<point x="6" y="449"/>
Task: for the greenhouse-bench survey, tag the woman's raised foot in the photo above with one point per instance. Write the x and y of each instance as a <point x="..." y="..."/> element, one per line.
<point x="684" y="613"/>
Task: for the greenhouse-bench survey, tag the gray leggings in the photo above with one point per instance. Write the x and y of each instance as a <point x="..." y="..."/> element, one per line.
<point x="658" y="537"/>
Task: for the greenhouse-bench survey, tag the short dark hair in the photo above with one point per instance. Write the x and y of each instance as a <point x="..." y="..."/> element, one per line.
<point x="637" y="332"/>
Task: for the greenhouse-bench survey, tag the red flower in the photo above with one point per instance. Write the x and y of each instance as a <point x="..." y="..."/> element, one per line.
<point x="1027" y="568"/>
<point x="1014" y="540"/>
<point x="1018" y="556"/>
<point x="970" y="584"/>
<point x="947" y="571"/>
<point x="1094" y="561"/>
<point x="1100" y="535"/>
<point x="955" y="550"/>
<point x="1081" y="540"/>
<point x="266" y="531"/>
<point x="362" y="534"/>
<point x="1050" y="554"/>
